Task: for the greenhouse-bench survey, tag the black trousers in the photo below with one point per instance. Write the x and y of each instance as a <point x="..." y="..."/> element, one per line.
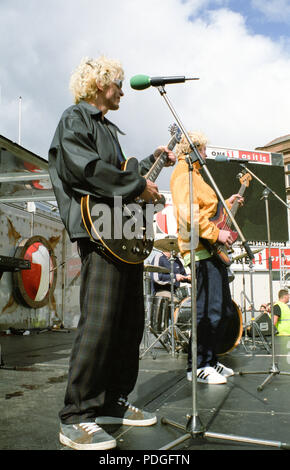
<point x="105" y="356"/>
<point x="214" y="306"/>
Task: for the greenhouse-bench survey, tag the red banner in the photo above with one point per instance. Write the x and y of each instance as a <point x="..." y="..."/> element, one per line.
<point x="257" y="157"/>
<point x="280" y="257"/>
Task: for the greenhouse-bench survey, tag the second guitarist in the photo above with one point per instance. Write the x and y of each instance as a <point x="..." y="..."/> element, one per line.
<point x="214" y="302"/>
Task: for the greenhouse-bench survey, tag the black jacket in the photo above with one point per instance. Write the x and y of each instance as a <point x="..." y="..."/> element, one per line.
<point x="83" y="159"/>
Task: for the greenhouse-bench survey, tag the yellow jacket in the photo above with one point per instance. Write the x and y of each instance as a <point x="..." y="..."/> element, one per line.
<point x="205" y="207"/>
<point x="283" y="324"/>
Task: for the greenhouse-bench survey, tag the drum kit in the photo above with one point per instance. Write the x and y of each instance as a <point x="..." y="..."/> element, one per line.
<point x="168" y="319"/>
<point x="162" y="319"/>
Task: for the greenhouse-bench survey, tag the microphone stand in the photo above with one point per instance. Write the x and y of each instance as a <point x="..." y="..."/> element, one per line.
<point x="253" y="323"/>
<point x="194" y="427"/>
<point x="274" y="370"/>
<point x="196" y="156"/>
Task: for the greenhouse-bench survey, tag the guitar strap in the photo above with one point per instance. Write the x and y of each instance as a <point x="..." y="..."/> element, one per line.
<point x="206" y="245"/>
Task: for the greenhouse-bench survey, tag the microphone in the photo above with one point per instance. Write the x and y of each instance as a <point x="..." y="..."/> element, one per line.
<point x="223" y="158"/>
<point x="141" y="82"/>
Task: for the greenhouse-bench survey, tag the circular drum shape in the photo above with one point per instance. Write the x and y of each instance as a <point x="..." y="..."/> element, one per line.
<point x="33" y="287"/>
<point x="183" y="291"/>
<point x="231" y="332"/>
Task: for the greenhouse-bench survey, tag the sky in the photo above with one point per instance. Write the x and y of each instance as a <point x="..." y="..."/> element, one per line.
<point x="239" y="50"/>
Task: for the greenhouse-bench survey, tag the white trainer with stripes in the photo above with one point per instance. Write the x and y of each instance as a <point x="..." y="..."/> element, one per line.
<point x="208" y="375"/>
<point x="223" y="370"/>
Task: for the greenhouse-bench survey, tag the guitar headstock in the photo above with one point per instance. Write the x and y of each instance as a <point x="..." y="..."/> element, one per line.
<point x="245" y="178"/>
<point x="175" y="131"/>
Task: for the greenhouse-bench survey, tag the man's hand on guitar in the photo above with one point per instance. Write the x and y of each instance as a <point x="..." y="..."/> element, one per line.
<point x="237" y="197"/>
<point x="170" y="155"/>
<point x="225" y="237"/>
<point x="150" y="193"/>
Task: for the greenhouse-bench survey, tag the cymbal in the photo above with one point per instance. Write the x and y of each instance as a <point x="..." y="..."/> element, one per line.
<point x="156" y="269"/>
<point x="243" y="255"/>
<point x="167" y="244"/>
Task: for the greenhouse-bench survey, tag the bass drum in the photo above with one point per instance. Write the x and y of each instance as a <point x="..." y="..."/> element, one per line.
<point x="231" y="332"/>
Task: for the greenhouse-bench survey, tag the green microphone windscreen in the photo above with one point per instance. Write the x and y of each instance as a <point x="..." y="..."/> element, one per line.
<point x="140" y="82"/>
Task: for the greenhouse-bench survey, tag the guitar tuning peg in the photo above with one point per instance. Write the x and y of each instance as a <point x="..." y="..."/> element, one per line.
<point x="172" y="127"/>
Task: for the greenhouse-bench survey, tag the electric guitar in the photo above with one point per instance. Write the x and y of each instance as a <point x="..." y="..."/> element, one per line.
<point x="126" y="230"/>
<point x="223" y="222"/>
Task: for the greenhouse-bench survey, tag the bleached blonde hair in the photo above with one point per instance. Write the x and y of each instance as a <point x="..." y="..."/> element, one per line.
<point x="183" y="147"/>
<point x="83" y="81"/>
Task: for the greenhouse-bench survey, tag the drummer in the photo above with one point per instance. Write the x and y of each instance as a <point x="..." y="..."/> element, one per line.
<point x="162" y="281"/>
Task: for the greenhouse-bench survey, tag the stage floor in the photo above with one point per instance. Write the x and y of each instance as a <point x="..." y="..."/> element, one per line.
<point x="33" y="378"/>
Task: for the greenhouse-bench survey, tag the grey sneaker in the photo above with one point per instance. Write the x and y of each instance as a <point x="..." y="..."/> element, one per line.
<point x="122" y="412"/>
<point x="85" y="436"/>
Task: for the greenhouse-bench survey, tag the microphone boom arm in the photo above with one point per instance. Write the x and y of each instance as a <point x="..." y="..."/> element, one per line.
<point x="195" y="156"/>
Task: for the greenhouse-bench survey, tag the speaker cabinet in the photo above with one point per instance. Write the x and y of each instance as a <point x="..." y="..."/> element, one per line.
<point x="264" y="324"/>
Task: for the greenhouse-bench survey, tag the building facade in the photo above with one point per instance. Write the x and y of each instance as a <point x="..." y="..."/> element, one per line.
<point x="281" y="145"/>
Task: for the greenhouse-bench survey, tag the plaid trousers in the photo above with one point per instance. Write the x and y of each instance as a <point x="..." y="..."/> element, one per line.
<point x="104" y="360"/>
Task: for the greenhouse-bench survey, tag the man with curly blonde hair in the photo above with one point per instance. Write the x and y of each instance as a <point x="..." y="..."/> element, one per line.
<point x="85" y="158"/>
<point x="213" y="302"/>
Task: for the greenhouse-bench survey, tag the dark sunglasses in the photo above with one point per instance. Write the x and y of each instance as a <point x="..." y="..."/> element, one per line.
<point x="118" y="82"/>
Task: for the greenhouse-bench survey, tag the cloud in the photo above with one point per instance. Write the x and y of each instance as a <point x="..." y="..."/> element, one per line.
<point x="274" y="10"/>
<point x="241" y="100"/>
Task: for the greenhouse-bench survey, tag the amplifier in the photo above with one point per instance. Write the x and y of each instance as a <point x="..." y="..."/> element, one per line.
<point x="264" y="323"/>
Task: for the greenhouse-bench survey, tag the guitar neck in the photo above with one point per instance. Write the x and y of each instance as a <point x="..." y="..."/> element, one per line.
<point x="156" y="168"/>
<point x="235" y="205"/>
